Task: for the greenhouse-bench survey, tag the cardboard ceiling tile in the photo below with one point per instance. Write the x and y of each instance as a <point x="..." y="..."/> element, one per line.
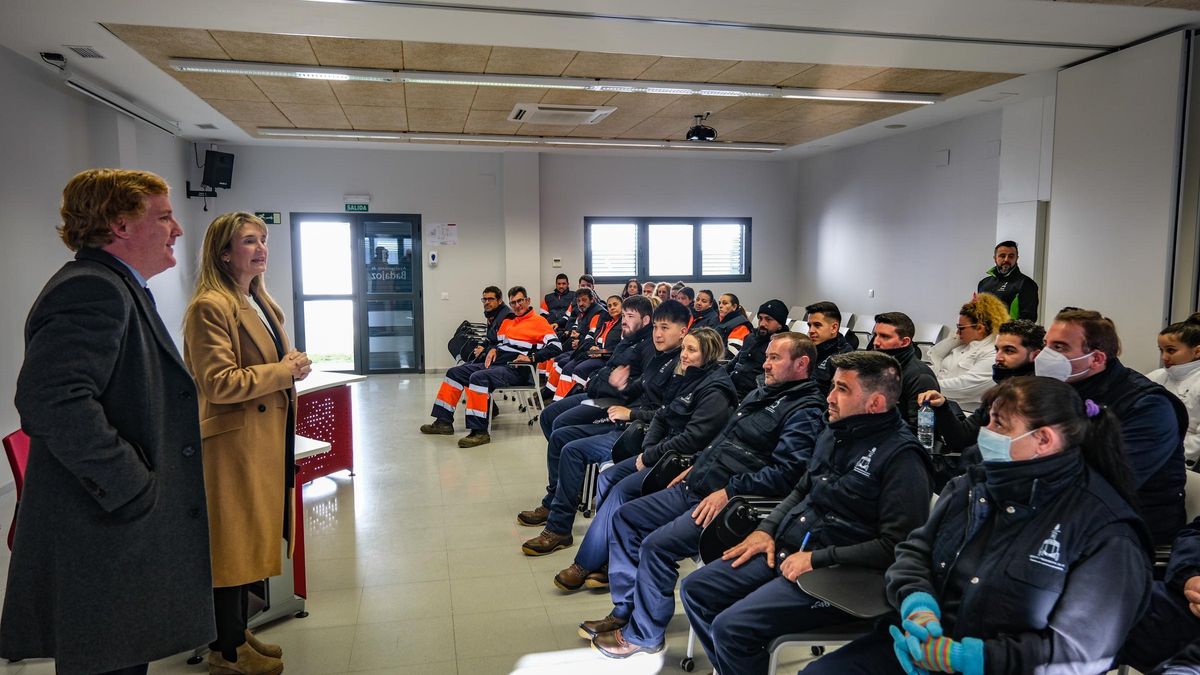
<point x="658" y="129"/>
<point x="809" y="132"/>
<point x="266" y="47"/>
<point x="611" y="126"/>
<point x="760" y="108"/>
<point x="686" y="106"/>
<point x="757" y="131"/>
<point x="526" y="61"/>
<point x="866" y="113"/>
<point x="315" y="115"/>
<point x="159" y="44"/>
<point x="356" y="53"/>
<point x="965" y="81"/>
<point x="376" y="118"/>
<point x="291" y="90"/>
<point x="225" y="87"/>
<point x="609" y="66"/>
<point x="369" y="93"/>
<point x="1193" y="5"/>
<point x="490" y="122"/>
<point x="263" y="114"/>
<point x="504" y="98"/>
<point x="826" y="76"/>
<point x="677" y="69"/>
<point x="759" y="72"/>
<point x="904" y="79"/>
<point x="444" y="96"/>
<point x="439" y="121"/>
<point x="445" y="57"/>
<point x="576" y="97"/>
<point x="810" y="111"/>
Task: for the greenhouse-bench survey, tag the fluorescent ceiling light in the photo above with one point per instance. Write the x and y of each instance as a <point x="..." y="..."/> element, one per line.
<point x="417" y="136"/>
<point x="257" y="69"/>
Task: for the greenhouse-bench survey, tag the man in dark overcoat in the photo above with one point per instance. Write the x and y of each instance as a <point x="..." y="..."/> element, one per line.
<point x="110" y="566"/>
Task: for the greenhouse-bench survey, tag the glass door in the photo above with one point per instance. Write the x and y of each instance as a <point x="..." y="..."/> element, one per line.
<point x="358" y="307"/>
<point x="391" y="251"/>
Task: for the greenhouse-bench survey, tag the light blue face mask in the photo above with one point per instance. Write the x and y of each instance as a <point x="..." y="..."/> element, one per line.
<point x="996" y="447"/>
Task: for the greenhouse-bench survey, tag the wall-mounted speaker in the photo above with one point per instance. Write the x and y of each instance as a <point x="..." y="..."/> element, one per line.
<point x="218" y="169"/>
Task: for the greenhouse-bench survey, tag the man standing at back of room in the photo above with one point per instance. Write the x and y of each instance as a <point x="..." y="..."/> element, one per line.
<point x="110" y="566"/>
<point x="523" y="338"/>
<point x="1017" y="291"/>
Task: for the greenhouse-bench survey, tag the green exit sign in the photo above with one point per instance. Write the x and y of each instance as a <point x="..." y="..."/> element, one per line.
<point x="269" y="217"/>
<point x="357" y="207"/>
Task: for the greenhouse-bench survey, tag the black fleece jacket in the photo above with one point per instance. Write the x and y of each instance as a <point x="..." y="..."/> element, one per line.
<point x="699" y="403"/>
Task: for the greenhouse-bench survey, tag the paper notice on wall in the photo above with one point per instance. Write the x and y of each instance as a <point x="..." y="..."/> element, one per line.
<point x="442" y="234"/>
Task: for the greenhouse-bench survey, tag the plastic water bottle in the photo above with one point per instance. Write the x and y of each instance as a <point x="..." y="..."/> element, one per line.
<point x="925" y="426"/>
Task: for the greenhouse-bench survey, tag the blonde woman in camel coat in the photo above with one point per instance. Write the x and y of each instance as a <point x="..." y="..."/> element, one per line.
<point x="238" y="352"/>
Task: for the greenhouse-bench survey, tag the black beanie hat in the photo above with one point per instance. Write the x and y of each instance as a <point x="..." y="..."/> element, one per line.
<point x="776" y="310"/>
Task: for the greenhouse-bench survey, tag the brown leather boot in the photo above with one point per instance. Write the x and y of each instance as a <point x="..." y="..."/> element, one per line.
<point x="571" y="579"/>
<point x="547" y="542"/>
<point x="441" y="427"/>
<point x="590" y="629"/>
<point x="597" y="579"/>
<point x="264" y="648"/>
<point x="474" y="439"/>
<point x="613" y="645"/>
<point x="249" y="662"/>
<point x="534" y="518"/>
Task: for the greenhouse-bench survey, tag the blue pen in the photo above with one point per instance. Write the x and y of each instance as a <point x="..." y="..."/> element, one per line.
<point x="804" y="544"/>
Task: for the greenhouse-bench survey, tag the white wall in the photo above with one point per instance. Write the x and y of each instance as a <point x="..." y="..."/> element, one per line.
<point x="1112" y="203"/>
<point x="576" y="186"/>
<point x="460" y="188"/>
<point x="884" y="216"/>
<point x="49" y="134"/>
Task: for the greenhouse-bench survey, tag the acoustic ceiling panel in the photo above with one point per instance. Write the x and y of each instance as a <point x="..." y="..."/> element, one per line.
<point x="266" y="47"/>
<point x="354" y="53"/>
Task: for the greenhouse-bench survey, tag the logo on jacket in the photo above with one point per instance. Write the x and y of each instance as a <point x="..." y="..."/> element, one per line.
<point x="771" y="408"/>
<point x="687" y="400"/>
<point x="863" y="465"/>
<point x="1050" y="550"/>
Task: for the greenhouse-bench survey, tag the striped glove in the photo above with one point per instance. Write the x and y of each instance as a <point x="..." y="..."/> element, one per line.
<point x="922" y="616"/>
<point x="947" y="656"/>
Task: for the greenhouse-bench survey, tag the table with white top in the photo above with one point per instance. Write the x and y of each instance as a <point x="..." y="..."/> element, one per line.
<point x="323" y="413"/>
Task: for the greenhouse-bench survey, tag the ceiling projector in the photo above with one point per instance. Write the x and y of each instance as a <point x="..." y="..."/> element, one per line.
<point x="701" y="132"/>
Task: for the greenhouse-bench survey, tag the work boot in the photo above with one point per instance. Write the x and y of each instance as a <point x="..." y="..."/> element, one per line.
<point x="571" y="579"/>
<point x="534" y="518"/>
<point x="597" y="579"/>
<point x="545" y="543"/>
<point x="249" y="662"/>
<point x="264" y="648"/>
<point x="613" y="645"/>
<point x="590" y="629"/>
<point x="474" y="439"/>
<point x="441" y="427"/>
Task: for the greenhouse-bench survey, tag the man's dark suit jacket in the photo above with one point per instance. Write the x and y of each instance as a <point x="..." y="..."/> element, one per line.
<point x="110" y="566"/>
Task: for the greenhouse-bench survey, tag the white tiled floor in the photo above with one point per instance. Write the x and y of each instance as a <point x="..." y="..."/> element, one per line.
<point x="414" y="563"/>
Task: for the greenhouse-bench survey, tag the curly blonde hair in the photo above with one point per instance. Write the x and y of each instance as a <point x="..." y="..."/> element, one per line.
<point x="986" y="310"/>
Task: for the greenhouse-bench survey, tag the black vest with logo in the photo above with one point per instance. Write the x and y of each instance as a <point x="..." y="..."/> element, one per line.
<point x="1039" y="518"/>
<point x="746" y="443"/>
<point x="845" y="476"/>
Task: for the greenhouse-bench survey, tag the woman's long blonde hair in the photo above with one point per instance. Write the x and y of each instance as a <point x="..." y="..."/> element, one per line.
<point x="214" y="274"/>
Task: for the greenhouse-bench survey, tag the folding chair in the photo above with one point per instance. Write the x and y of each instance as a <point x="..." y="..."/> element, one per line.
<point x="531" y="392"/>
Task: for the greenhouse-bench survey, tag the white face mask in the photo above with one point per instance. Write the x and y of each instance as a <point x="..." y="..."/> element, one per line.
<point x="1050" y="363"/>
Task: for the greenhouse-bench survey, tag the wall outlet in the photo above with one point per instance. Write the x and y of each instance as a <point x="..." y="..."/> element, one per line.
<point x="445" y="296"/>
<point x="556" y="262"/>
<point x="870" y="292"/>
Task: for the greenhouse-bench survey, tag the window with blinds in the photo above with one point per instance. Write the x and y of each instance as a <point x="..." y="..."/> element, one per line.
<point x="667" y="249"/>
<point x="613" y="250"/>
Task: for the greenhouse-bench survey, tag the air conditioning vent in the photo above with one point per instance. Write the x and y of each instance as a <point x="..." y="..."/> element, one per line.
<point x="85" y="51"/>
<point x="556" y="114"/>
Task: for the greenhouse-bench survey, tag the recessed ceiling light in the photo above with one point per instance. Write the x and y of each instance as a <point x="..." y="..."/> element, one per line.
<point x="894" y="126"/>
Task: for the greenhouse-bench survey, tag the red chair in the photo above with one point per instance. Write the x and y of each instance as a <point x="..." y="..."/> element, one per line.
<point x="16" y="447"/>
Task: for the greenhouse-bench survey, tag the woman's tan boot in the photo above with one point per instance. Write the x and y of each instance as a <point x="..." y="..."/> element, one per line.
<point x="264" y="648"/>
<point x="249" y="662"/>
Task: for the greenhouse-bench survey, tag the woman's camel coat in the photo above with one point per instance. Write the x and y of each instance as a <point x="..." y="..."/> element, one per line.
<point x="246" y="394"/>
